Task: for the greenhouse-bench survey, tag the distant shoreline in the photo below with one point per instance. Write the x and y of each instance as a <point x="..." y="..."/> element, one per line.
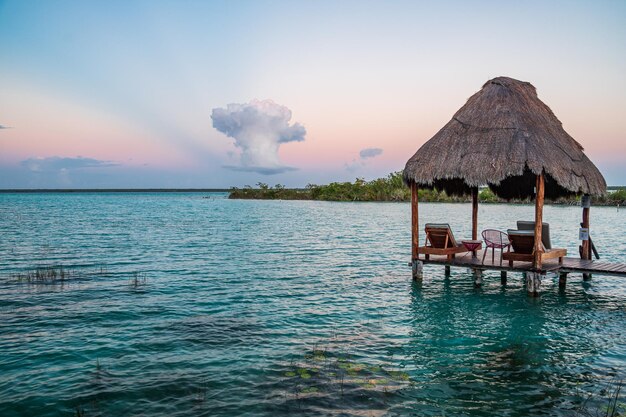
<point x="258" y="195"/>
<point x="392" y="188"/>
<point x="117" y="190"/>
<point x="160" y="190"/>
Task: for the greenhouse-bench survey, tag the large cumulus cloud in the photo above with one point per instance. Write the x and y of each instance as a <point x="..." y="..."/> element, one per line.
<point x="258" y="128"/>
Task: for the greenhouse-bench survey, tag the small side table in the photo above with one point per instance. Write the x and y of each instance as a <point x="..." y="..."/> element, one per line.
<point x="472" y="245"/>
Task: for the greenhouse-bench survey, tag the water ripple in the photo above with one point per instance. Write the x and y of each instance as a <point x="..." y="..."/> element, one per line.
<point x="179" y="305"/>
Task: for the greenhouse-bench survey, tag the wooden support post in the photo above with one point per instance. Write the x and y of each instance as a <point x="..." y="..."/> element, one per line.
<point x="533" y="282"/>
<point x="416" y="263"/>
<point x="447" y="270"/>
<point x="478" y="277"/>
<point x="562" y="279"/>
<point x="585" y="224"/>
<point x="414" y="222"/>
<point x="586" y="252"/>
<point x="503" y="277"/>
<point x="538" y="249"/>
<point x="474" y="213"/>
<point x="418" y="269"/>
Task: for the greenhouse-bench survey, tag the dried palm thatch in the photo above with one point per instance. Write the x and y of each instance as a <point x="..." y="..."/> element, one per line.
<point x="503" y="137"/>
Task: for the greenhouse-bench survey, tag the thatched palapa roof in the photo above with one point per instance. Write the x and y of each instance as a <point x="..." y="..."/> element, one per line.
<point x="503" y="137"/>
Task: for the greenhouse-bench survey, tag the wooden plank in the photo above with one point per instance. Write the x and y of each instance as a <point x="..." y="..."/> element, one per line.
<point x="591" y="266"/>
<point x="429" y="250"/>
<point x="569" y="265"/>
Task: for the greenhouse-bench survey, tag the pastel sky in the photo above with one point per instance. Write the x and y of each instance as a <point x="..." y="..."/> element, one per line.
<point x="128" y="94"/>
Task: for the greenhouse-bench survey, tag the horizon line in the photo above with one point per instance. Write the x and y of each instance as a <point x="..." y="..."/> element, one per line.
<point x="148" y="190"/>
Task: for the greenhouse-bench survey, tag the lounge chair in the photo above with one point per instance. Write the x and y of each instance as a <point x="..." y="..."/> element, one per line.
<point x="440" y="241"/>
<point x="545" y="231"/>
<point x="523" y="245"/>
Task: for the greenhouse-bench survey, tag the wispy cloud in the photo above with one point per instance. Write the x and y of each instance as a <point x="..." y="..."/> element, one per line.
<point x="261" y="170"/>
<point x="58" y="163"/>
<point x="259" y="128"/>
<point x="4" y="127"/>
<point x="370" y="153"/>
<point x="361" y="161"/>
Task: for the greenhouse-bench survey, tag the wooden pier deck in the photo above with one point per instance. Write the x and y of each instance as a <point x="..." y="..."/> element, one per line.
<point x="575" y="265"/>
<point x="592" y="267"/>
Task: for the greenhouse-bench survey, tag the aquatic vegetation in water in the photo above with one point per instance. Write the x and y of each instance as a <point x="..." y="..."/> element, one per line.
<point x="60" y="275"/>
<point x="57" y="274"/>
<point x="326" y="379"/>
<point x="513" y="358"/>
<point x="45" y="275"/>
<point x="138" y="279"/>
<point x="98" y="383"/>
<point x="607" y="402"/>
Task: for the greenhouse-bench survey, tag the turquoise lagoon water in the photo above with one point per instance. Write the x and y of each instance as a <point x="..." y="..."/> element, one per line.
<point x="186" y="304"/>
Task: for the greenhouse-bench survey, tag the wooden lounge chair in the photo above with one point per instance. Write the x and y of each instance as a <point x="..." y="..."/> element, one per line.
<point x="440" y="241"/>
<point x="523" y="245"/>
<point x="545" y="231"/>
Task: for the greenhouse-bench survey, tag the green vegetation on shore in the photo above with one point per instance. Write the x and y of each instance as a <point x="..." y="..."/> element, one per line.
<point x="390" y="188"/>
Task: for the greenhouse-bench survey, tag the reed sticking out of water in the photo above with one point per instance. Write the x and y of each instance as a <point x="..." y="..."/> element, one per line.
<point x="138" y="279"/>
<point x="610" y="394"/>
<point x="45" y="275"/>
<point x="606" y="402"/>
